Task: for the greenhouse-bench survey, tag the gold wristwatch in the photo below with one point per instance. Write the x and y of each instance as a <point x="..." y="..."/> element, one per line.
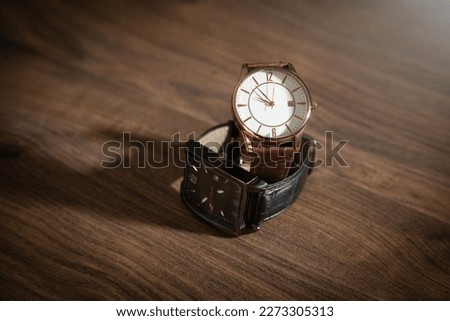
<point x="270" y="106"/>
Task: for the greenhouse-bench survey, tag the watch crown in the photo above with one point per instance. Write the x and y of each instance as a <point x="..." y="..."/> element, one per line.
<point x="314" y="105"/>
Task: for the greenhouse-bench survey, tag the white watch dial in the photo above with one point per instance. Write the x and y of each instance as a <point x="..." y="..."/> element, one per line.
<point x="272" y="103"/>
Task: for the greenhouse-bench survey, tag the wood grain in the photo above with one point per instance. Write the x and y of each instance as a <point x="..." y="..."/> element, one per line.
<point x="74" y="75"/>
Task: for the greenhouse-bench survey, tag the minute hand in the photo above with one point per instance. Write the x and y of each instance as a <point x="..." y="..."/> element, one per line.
<point x="268" y="99"/>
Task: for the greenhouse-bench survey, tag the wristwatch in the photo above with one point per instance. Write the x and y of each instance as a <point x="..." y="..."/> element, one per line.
<point x="218" y="190"/>
<point x="271" y="106"/>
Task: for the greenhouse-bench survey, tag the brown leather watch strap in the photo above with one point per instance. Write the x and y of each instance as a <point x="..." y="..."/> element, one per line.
<point x="272" y="163"/>
<point x="279" y="64"/>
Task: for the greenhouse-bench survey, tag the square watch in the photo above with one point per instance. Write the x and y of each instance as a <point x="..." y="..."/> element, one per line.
<point x="231" y="198"/>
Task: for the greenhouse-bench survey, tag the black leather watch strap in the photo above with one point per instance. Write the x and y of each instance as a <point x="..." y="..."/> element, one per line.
<point x="280" y="195"/>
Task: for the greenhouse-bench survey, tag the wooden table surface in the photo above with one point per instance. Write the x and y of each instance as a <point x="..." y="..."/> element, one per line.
<point x="75" y="75"/>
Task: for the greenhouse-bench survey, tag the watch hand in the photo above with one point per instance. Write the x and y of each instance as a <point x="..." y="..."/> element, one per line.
<point x="273" y="96"/>
<point x="264" y="95"/>
<point x="258" y="98"/>
<point x="262" y="99"/>
<point x="210" y="206"/>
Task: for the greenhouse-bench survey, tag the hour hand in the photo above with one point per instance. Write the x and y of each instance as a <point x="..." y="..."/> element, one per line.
<point x="258" y="97"/>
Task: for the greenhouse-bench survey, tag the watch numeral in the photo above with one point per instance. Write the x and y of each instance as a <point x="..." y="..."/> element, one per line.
<point x="269" y="76"/>
<point x="274" y="132"/>
<point x="291" y="103"/>
<point x="193" y="179"/>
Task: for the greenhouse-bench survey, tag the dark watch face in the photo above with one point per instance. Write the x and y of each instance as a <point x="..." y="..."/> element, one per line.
<point x="215" y="195"/>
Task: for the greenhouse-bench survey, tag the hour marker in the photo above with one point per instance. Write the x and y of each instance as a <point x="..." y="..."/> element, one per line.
<point x="242" y="105"/>
<point x="206" y="171"/>
<point x="291" y="103"/>
<point x="247" y="119"/>
<point x="204" y="199"/>
<point x="301" y="103"/>
<point x="195" y="168"/>
<point x="192" y="190"/>
<point x="258" y="129"/>
<point x="284" y="79"/>
<point x="216" y="178"/>
<point x="245" y="91"/>
<point x="290" y="130"/>
<point x="220" y="191"/>
<point x="255" y="80"/>
<point x="298" y="117"/>
<point x="295" y="89"/>
<point x="221" y="213"/>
